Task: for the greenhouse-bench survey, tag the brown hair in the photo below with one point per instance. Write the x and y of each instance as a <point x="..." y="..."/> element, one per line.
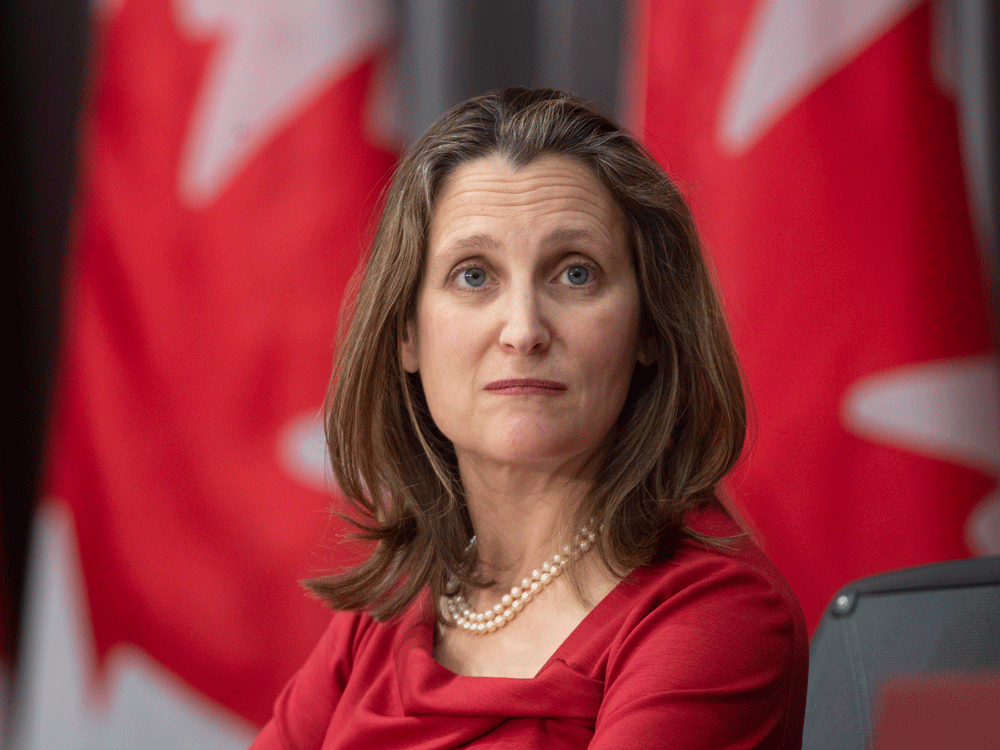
<point x="683" y="424"/>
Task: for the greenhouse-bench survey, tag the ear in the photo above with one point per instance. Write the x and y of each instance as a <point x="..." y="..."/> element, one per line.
<point x="647" y="353"/>
<point x="408" y="349"/>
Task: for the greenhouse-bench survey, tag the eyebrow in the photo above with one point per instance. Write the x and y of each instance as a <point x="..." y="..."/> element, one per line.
<point x="569" y="236"/>
<point x="475" y="243"/>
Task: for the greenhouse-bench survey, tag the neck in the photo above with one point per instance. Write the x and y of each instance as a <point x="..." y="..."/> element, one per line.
<point x="521" y="517"/>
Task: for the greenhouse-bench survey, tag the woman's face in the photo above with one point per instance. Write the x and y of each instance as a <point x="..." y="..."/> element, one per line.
<point x="527" y="319"/>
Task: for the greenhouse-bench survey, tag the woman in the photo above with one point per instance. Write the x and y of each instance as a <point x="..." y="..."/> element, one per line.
<point x="532" y="406"/>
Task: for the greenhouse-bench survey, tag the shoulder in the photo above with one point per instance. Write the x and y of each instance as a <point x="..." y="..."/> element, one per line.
<point x="712" y="639"/>
<point x="303" y="710"/>
<point x="717" y="600"/>
<point x="730" y="571"/>
<point x="345" y="632"/>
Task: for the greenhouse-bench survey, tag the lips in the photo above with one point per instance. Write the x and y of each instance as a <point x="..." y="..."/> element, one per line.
<point x="525" y="386"/>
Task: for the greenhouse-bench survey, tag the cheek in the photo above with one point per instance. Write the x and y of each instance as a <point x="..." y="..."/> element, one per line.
<point x="447" y="363"/>
<point x="447" y="340"/>
<point x="611" y="339"/>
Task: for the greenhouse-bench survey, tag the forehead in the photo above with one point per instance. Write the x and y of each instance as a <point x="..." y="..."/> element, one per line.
<point x="550" y="193"/>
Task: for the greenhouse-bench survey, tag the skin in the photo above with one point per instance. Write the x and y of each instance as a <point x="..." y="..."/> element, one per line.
<point x="525" y="338"/>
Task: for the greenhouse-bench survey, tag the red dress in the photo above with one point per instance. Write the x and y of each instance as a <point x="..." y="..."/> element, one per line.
<point x="707" y="650"/>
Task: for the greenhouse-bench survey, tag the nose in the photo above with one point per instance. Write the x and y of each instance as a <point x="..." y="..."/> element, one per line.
<point x="524" y="330"/>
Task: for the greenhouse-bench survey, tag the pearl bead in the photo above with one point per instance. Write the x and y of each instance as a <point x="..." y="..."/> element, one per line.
<point x="511" y="604"/>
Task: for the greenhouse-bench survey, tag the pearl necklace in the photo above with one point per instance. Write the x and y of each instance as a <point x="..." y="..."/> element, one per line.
<point x="511" y="604"/>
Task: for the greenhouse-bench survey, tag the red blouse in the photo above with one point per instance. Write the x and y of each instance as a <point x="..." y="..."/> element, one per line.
<point x="708" y="650"/>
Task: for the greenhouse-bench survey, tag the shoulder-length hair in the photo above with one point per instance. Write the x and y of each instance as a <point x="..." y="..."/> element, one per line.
<point x="683" y="424"/>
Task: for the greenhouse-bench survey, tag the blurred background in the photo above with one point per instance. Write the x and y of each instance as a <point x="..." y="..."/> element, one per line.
<point x="193" y="183"/>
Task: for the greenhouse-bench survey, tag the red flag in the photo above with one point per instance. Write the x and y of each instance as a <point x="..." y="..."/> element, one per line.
<point x="822" y="160"/>
<point x="229" y="170"/>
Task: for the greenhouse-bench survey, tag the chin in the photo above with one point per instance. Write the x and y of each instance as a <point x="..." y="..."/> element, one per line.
<point x="530" y="446"/>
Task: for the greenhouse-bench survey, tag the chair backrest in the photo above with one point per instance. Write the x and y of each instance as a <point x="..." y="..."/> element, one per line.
<point x="940" y="619"/>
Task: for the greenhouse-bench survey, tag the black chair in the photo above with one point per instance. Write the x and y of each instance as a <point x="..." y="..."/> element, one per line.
<point x="940" y="619"/>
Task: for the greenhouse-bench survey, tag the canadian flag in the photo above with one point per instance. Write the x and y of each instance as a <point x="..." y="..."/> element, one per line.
<point x="817" y="141"/>
<point x="231" y="160"/>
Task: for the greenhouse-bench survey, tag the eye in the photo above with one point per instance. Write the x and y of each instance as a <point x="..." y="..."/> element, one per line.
<point x="472" y="277"/>
<point x="577" y="275"/>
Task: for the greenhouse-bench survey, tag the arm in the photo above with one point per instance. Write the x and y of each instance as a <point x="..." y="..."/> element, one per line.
<point x="720" y="663"/>
<point x="303" y="710"/>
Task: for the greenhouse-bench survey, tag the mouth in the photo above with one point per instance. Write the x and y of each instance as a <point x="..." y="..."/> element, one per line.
<point x="525" y="386"/>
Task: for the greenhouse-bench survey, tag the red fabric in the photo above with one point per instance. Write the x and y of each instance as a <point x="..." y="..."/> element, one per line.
<point x="195" y="334"/>
<point x="845" y="254"/>
<point x="708" y="650"/>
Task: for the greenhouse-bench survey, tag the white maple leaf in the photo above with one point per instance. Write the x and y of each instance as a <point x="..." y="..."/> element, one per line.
<point x="946" y="409"/>
<point x="60" y="707"/>
<point x="790" y="48"/>
<point x="272" y="59"/>
<point x="302" y="452"/>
